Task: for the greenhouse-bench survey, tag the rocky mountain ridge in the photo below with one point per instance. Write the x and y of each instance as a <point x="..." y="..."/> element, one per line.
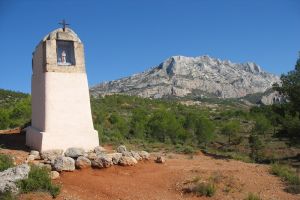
<point x="201" y="76"/>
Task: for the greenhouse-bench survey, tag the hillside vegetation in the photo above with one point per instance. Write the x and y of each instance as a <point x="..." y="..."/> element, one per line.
<point x="15" y="109"/>
<point x="260" y="134"/>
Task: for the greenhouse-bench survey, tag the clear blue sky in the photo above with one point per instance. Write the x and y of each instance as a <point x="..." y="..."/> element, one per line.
<point x="128" y="36"/>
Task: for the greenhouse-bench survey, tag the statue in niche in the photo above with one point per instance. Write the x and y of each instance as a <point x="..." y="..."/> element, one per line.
<point x="65" y="53"/>
<point x="63" y="57"/>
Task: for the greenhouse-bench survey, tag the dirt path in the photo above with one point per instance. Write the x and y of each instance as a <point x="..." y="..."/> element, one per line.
<point x="150" y="181"/>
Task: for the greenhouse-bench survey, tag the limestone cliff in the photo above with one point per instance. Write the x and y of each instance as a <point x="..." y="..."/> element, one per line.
<point x="197" y="76"/>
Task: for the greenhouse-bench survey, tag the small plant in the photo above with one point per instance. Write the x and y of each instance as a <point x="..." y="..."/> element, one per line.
<point x="216" y="177"/>
<point x="195" y="179"/>
<point x="7" y="195"/>
<point x="39" y="180"/>
<point x="205" y="189"/>
<point x="252" y="196"/>
<point x="5" y="162"/>
<point x="288" y="175"/>
<point x="188" y="150"/>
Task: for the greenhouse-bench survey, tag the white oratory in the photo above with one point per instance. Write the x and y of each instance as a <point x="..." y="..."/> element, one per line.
<point x="61" y="111"/>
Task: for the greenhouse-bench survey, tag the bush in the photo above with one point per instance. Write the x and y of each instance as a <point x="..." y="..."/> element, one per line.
<point x="288" y="175"/>
<point x="5" y="162"/>
<point x="188" y="150"/>
<point x="262" y="124"/>
<point x="205" y="189"/>
<point x="39" y="180"/>
<point x="256" y="147"/>
<point x="7" y="195"/>
<point x="292" y="126"/>
<point x="230" y="129"/>
<point x="252" y="196"/>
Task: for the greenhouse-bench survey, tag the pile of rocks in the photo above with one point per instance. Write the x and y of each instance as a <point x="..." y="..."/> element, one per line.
<point x="72" y="158"/>
<point x="11" y="176"/>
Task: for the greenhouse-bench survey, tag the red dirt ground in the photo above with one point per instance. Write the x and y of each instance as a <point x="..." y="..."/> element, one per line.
<point x="151" y="181"/>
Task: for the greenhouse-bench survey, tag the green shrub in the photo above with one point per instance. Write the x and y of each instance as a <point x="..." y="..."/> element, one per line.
<point x="288" y="175"/>
<point x="39" y="180"/>
<point x="252" y="196"/>
<point x="5" y="162"/>
<point x="7" y="195"/>
<point x="205" y="189"/>
<point x="185" y="149"/>
<point x="256" y="147"/>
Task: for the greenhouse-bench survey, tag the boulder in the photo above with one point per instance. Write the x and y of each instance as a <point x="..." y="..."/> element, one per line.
<point x="51" y="154"/>
<point x="54" y="175"/>
<point x="126" y="153"/>
<point x="136" y="155"/>
<point x="115" y="157"/>
<point x="35" y="154"/>
<point x="160" y="159"/>
<point x="48" y="167"/>
<point x="82" y="162"/>
<point x="74" y="152"/>
<point x="62" y="163"/>
<point x="121" y="149"/>
<point x="99" y="149"/>
<point x="102" y="161"/>
<point x="106" y="160"/>
<point x="97" y="163"/>
<point x="144" y="155"/>
<point x="127" y="161"/>
<point x="91" y="155"/>
<point x="9" y="177"/>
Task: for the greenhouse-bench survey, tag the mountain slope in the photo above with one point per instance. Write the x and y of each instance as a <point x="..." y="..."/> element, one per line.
<point x="199" y="76"/>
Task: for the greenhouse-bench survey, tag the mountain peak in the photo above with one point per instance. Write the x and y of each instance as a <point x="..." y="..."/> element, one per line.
<point x="203" y="75"/>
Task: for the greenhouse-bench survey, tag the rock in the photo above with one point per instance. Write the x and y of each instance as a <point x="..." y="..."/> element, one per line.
<point x="102" y="161"/>
<point x="54" y="175"/>
<point x="51" y="154"/>
<point x="48" y="167"/>
<point x="82" y="162"/>
<point x="106" y="160"/>
<point x="63" y="164"/>
<point x="36" y="154"/>
<point x="270" y="98"/>
<point x="74" y="152"/>
<point x="127" y="161"/>
<point x="9" y="177"/>
<point x="160" y="159"/>
<point x="97" y="163"/>
<point x="14" y="160"/>
<point x="180" y="76"/>
<point x="145" y="155"/>
<point x="99" y="149"/>
<point x="30" y="158"/>
<point x="136" y="155"/>
<point x="115" y="157"/>
<point x="91" y="156"/>
<point x="121" y="149"/>
<point x="126" y="153"/>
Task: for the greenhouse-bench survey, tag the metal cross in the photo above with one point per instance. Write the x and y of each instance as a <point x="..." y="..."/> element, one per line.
<point x="64" y="24"/>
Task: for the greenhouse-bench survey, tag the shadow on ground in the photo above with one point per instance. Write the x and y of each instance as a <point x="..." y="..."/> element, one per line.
<point x="13" y="141"/>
